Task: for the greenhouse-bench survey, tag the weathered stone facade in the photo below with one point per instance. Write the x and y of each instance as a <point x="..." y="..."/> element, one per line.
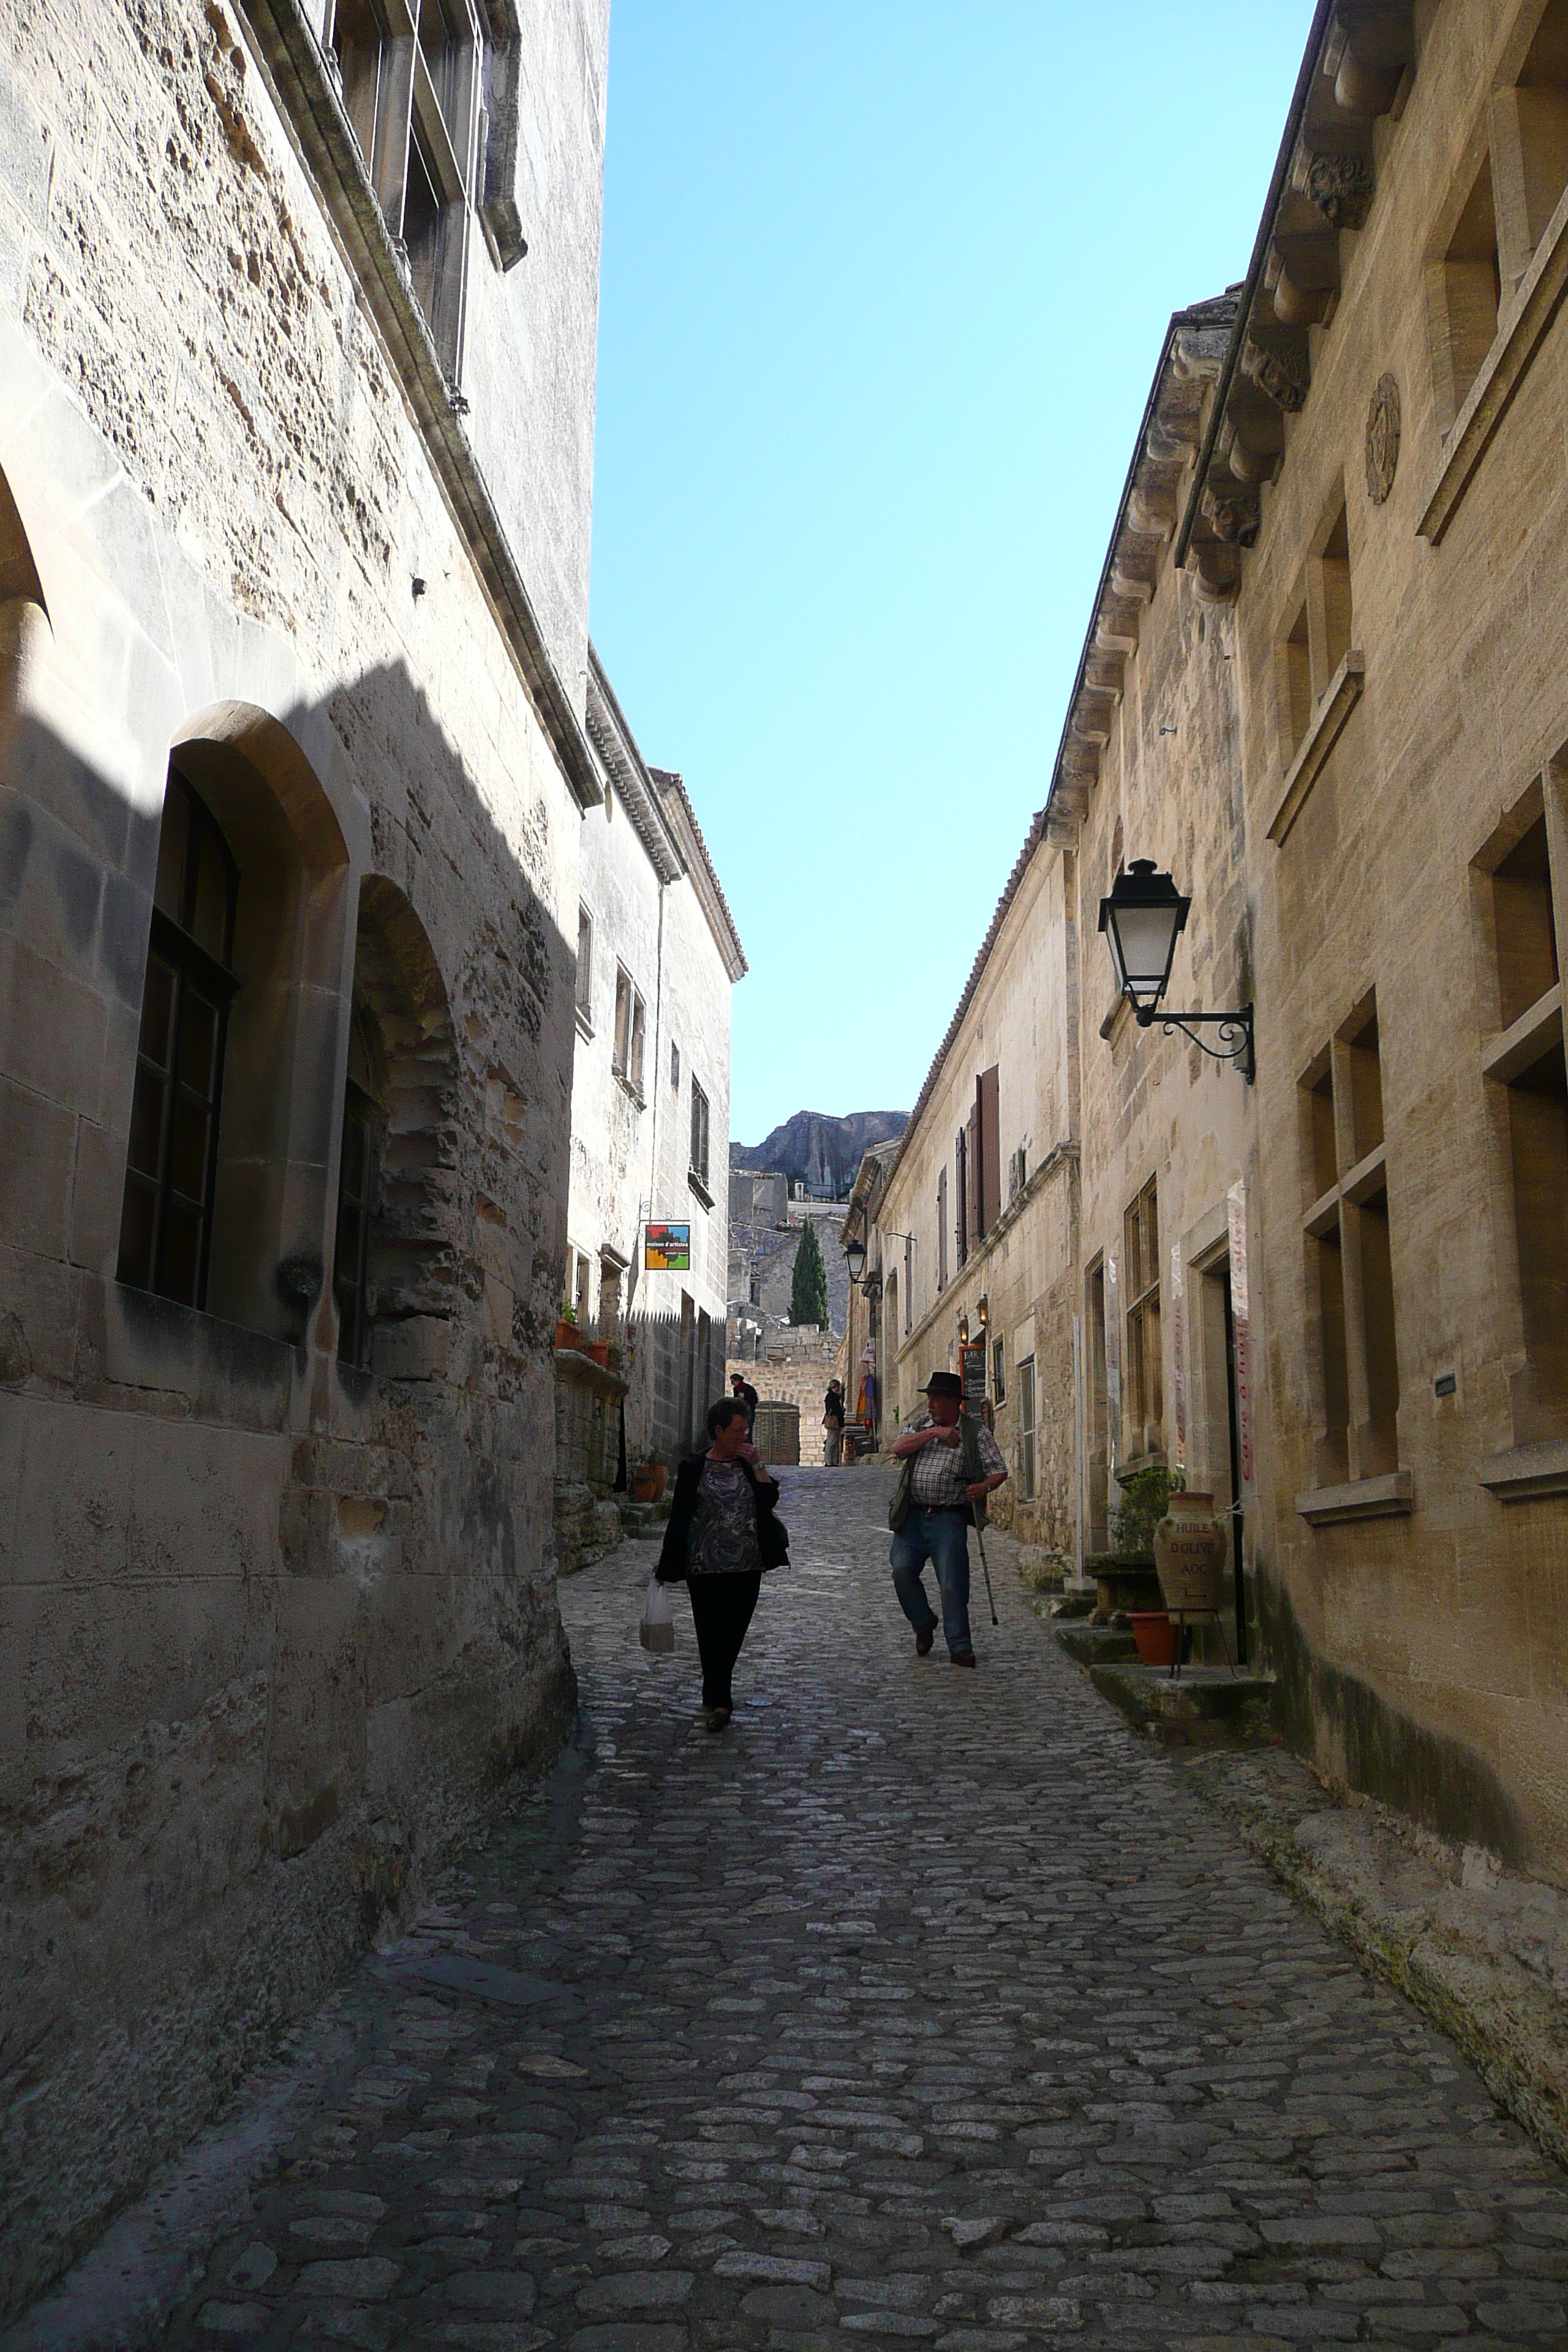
<point x="793" y="1367"/>
<point x="272" y="504"/>
<point x="1323" y="685"/>
<point x="658" y="954"/>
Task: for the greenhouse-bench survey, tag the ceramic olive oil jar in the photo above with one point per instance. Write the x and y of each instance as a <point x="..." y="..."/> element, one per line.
<point x="1190" y="1550"/>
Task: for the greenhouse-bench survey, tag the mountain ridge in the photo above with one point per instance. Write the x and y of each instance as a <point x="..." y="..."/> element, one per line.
<point x="819" y="1150"/>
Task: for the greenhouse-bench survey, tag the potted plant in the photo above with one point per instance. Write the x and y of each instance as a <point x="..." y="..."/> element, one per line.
<point x="648" y="1479"/>
<point x="566" y="1327"/>
<point x="599" y="1350"/>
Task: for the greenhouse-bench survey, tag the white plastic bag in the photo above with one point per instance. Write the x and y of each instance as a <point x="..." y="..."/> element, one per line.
<point x="656" y="1631"/>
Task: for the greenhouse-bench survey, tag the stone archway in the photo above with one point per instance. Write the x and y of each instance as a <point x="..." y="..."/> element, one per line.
<point x="408" y="1068"/>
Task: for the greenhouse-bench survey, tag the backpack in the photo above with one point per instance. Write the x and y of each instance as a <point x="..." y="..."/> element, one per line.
<point x="899" y="1509"/>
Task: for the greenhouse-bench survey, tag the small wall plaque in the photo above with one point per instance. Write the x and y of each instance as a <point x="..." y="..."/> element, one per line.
<point x="1382" y="440"/>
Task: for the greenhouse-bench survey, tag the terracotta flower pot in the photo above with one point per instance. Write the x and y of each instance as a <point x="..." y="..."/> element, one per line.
<point x="1155" y="1636"/>
<point x="565" y="1334"/>
<point x="600" y="1352"/>
<point x="1190" y="1552"/>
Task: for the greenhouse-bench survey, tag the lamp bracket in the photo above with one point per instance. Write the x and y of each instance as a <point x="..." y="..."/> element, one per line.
<point x="1235" y="1034"/>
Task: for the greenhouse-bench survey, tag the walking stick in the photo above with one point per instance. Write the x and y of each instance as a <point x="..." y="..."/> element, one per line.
<point x="986" y="1564"/>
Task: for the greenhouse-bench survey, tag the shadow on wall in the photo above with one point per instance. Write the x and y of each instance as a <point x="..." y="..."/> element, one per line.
<point x="1349" y="1730"/>
<point x="285" y="1072"/>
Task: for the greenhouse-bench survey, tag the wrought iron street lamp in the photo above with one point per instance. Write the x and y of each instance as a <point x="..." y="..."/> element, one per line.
<point x="855" y="1258"/>
<point x="1143" y="919"/>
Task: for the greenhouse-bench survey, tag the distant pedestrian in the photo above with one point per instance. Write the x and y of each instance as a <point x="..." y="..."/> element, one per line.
<point x="951" y="1462"/>
<point x="721" y="1534"/>
<point x="743" y="1392"/>
<point x="833" y="1425"/>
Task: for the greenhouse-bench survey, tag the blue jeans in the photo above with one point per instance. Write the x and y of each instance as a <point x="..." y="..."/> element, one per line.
<point x="942" y="1538"/>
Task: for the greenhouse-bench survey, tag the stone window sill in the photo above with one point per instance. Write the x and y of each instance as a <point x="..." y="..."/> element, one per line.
<point x="1336" y="702"/>
<point x="1509" y="1055"/>
<point x="1520" y="334"/>
<point x="585" y="1026"/>
<point x="1522" y="1474"/>
<point x="1388" y="1497"/>
<point x="635" y="1092"/>
<point x="700" y="1187"/>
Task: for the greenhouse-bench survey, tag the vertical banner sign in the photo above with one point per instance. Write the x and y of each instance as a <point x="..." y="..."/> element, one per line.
<point x="1112" y="1364"/>
<point x="971" y="1370"/>
<point x="1179" y="1366"/>
<point x="1080" y="1468"/>
<point x="1241" y="1320"/>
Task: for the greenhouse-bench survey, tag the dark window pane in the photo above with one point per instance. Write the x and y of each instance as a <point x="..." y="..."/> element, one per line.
<point x="357" y="39"/>
<point x="157" y="1038"/>
<point x="210" y="897"/>
<point x="188" y="1148"/>
<point x="173" y="844"/>
<point x="422" y="225"/>
<point x="180" y="1259"/>
<point x="174" y="1122"/>
<point x="138" y="1222"/>
<point x="198" y="1045"/>
<point x="146" y="1123"/>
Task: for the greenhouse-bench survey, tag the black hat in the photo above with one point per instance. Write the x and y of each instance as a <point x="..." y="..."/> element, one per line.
<point x="943" y="1384"/>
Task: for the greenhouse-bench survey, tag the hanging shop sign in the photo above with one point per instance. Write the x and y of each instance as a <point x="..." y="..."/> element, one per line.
<point x="1241" y="1319"/>
<point x="667" y="1249"/>
<point x="1178" y="1352"/>
<point x="971" y="1370"/>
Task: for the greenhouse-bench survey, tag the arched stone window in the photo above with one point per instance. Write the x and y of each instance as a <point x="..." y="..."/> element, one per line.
<point x="170" y="1168"/>
<point x="225" y="1202"/>
<point x="393" y="1272"/>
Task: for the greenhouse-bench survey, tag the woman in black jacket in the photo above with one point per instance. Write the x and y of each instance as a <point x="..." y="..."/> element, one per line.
<point x="721" y="1535"/>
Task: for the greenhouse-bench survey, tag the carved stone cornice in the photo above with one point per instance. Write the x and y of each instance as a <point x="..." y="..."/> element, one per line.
<point x="1342" y="188"/>
<point x="1278" y="373"/>
<point x="1232" y="512"/>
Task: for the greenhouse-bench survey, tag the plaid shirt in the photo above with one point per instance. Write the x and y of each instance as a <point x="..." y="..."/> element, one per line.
<point x="939" y="1481"/>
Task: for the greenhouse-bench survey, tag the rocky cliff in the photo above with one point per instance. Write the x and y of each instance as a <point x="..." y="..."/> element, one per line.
<point x="825" y="1153"/>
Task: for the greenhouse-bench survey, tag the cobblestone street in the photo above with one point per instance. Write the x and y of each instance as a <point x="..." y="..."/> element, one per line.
<point x="919" y="2007"/>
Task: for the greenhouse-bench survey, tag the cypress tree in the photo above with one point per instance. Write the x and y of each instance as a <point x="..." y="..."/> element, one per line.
<point x="808" y="1290"/>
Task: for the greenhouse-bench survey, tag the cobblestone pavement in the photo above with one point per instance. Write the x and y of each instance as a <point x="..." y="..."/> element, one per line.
<point x="920" y="2007"/>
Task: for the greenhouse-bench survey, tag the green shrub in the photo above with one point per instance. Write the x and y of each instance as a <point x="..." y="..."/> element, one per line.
<point x="1144" y="1501"/>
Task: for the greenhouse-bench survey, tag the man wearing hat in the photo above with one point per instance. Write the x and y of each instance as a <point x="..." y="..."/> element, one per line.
<point x="952" y="1463"/>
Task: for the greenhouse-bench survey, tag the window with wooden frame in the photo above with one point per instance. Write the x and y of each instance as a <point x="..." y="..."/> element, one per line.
<point x="1143" y="1391"/>
<point x="585" y="997"/>
<point x="165" y="1232"/>
<point x="1319" y="629"/>
<point x="1097" y="1382"/>
<point x="364" y="1123"/>
<point x="410" y="73"/>
<point x="698" y="1163"/>
<point x="1506" y="199"/>
<point x="998" y="1371"/>
<point x="1519" y="877"/>
<point x="960" y="1195"/>
<point x="1352" y="1343"/>
<point x="1026" y="1429"/>
<point x="631" y="1030"/>
<point x="985" y="1155"/>
<point x="942" y="1230"/>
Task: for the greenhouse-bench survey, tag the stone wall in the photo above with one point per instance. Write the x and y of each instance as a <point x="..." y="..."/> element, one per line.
<point x="275" y="1624"/>
<point x="796" y="1370"/>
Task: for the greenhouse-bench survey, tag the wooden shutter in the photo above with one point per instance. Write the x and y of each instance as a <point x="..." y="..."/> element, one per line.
<point x="976" y="1175"/>
<point x="987" y="1108"/>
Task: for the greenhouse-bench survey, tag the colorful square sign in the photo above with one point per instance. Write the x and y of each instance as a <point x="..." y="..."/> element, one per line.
<point x="667" y="1249"/>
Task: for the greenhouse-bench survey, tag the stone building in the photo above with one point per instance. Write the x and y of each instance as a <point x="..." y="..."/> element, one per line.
<point x="297" y="321"/>
<point x="658" y="954"/>
<point x="1324" y="685"/>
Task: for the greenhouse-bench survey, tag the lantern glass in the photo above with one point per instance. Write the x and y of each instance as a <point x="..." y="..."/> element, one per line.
<point x="854" y="1258"/>
<point x="1143" y="918"/>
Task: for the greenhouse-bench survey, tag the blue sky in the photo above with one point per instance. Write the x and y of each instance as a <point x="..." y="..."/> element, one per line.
<point x="884" y="285"/>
